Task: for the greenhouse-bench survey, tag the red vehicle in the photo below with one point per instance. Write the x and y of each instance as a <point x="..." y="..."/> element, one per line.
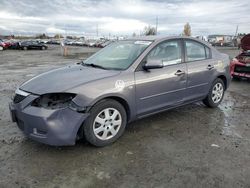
<point x="8" y="44"/>
<point x="5" y="44"/>
<point x="2" y="45"/>
<point x="240" y="65"/>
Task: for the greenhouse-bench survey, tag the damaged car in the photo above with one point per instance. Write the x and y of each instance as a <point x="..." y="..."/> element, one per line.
<point x="125" y="81"/>
<point x="240" y="65"/>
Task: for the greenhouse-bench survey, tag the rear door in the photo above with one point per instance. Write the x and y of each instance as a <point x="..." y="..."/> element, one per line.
<point x="35" y="45"/>
<point x="200" y="68"/>
<point x="161" y="88"/>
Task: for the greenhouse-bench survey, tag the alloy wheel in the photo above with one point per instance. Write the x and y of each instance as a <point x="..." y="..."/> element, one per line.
<point x="217" y="92"/>
<point x="107" y="123"/>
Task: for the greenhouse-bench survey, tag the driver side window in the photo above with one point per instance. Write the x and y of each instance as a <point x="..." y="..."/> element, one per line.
<point x="168" y="52"/>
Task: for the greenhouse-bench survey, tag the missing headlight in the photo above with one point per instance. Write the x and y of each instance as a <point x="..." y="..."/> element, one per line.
<point x="54" y="100"/>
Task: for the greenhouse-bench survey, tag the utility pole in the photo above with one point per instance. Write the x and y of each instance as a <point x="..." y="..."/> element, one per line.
<point x="236" y="30"/>
<point x="97" y="30"/>
<point x="156" y="24"/>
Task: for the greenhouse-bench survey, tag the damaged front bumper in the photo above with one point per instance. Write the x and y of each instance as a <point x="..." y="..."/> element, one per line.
<point x="56" y="127"/>
<point x="239" y="69"/>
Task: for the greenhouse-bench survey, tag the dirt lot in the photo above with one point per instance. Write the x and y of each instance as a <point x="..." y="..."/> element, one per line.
<point x="192" y="146"/>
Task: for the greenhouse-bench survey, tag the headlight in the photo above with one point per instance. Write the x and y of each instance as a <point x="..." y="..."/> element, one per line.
<point x="19" y="95"/>
<point x="56" y="101"/>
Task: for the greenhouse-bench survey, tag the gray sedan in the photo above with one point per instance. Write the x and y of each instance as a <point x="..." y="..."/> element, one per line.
<point x="125" y="81"/>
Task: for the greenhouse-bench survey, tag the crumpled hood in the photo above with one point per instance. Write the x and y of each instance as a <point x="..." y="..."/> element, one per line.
<point x="65" y="78"/>
<point x="245" y="42"/>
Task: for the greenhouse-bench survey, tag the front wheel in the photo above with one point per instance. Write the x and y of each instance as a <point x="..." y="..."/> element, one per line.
<point x="215" y="94"/>
<point x="236" y="78"/>
<point x="106" y="123"/>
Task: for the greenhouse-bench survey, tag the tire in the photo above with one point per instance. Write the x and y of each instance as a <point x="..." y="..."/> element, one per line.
<point x="25" y="48"/>
<point x="215" y="94"/>
<point x="236" y="78"/>
<point x="107" y="128"/>
<point x="43" y="48"/>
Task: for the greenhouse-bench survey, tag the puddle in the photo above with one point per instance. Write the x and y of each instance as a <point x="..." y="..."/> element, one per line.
<point x="229" y="129"/>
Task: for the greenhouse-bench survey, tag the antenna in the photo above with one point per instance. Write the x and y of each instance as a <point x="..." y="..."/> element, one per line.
<point x="156" y="24"/>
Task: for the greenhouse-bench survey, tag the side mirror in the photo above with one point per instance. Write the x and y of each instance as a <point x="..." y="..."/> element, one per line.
<point x="153" y="64"/>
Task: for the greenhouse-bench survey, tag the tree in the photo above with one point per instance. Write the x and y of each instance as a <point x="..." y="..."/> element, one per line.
<point x="42" y="36"/>
<point x="149" y="30"/>
<point x="58" y="36"/>
<point x="187" y="30"/>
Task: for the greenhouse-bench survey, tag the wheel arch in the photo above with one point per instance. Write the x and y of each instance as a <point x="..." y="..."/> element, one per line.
<point x="119" y="99"/>
<point x="224" y="79"/>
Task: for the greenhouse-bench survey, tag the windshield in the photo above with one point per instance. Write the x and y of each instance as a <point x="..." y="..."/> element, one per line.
<point x="118" y="55"/>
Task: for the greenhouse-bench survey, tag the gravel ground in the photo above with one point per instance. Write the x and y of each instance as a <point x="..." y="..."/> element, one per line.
<point x="191" y="146"/>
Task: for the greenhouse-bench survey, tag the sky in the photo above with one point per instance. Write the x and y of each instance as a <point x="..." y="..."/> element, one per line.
<point x="122" y="17"/>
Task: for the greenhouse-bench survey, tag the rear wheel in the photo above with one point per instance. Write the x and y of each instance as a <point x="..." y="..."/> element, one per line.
<point x="106" y="123"/>
<point x="25" y="48"/>
<point x="215" y="94"/>
<point x="43" y="48"/>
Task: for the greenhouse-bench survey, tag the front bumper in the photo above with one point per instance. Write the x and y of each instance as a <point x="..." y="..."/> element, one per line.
<point x="53" y="127"/>
<point x="238" y="69"/>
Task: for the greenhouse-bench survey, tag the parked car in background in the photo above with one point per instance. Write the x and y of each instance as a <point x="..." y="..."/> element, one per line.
<point x="68" y="42"/>
<point x="98" y="43"/>
<point x="79" y="42"/>
<point x="15" y="45"/>
<point x="221" y="40"/>
<point x="55" y="41"/>
<point x="7" y="43"/>
<point x="125" y="81"/>
<point x="32" y="45"/>
<point x="90" y="43"/>
<point x="240" y="65"/>
<point x="104" y="44"/>
<point x="2" y="45"/>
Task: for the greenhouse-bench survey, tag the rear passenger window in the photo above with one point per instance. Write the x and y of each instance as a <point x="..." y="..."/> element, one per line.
<point x="195" y="51"/>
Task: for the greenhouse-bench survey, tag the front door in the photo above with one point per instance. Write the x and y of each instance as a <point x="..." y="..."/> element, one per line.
<point x="161" y="88"/>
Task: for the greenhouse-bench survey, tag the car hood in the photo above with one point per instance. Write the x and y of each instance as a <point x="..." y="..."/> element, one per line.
<point x="65" y="78"/>
<point x="245" y="42"/>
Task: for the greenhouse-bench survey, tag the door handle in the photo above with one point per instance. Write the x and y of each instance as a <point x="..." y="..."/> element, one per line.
<point x="179" y="72"/>
<point x="209" y="67"/>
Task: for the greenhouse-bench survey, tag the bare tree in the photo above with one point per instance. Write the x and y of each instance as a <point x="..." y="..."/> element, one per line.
<point x="187" y="30"/>
<point x="149" y="30"/>
<point x="58" y="36"/>
<point x="42" y="36"/>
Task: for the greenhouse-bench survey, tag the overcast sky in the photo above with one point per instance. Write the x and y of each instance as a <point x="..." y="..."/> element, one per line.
<point x="83" y="17"/>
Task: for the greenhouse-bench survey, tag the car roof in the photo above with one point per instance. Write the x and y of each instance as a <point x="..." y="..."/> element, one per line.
<point x="158" y="37"/>
<point x="162" y="37"/>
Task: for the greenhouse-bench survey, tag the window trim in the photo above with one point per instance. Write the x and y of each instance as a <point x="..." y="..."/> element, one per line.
<point x="209" y="56"/>
<point x="205" y="46"/>
<point x="181" y="42"/>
